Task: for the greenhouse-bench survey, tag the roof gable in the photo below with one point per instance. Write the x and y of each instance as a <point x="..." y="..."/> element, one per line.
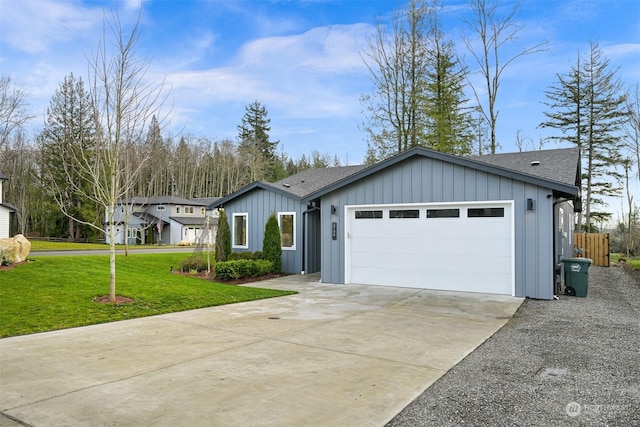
<point x="311" y="180"/>
<point x="570" y="158"/>
<point x="296" y="186"/>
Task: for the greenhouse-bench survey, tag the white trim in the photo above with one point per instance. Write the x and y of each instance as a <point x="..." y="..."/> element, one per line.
<point x="293" y="214"/>
<point x="349" y="209"/>
<point x="233" y="230"/>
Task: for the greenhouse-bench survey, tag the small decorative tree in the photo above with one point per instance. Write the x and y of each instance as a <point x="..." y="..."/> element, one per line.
<point x="271" y="246"/>
<point x="223" y="238"/>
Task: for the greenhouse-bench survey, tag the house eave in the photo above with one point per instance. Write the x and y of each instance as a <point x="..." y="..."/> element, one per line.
<point x="257" y="185"/>
<point x="436" y="155"/>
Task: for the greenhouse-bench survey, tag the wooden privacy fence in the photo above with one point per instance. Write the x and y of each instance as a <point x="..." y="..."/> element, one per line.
<point x="594" y="246"/>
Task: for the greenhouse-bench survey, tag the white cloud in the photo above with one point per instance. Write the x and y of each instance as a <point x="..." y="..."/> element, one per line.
<point x="34" y="25"/>
<point x="299" y="75"/>
<point x="333" y="49"/>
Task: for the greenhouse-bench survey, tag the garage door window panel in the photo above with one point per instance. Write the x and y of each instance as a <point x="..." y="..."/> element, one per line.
<point x="368" y="214"/>
<point x="443" y="213"/>
<point x="485" y="213"/>
<point x="404" y="213"/>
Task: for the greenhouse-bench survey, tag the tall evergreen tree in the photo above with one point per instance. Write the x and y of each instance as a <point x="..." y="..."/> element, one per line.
<point x="69" y="134"/>
<point x="223" y="238"/>
<point x="588" y="107"/>
<point x="418" y="98"/>
<point x="449" y="125"/>
<point x="255" y="146"/>
<point x="271" y="244"/>
<point x="154" y="179"/>
<point x="397" y="64"/>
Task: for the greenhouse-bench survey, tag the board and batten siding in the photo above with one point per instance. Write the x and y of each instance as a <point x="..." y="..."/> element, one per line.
<point x="426" y="180"/>
<point x="259" y="204"/>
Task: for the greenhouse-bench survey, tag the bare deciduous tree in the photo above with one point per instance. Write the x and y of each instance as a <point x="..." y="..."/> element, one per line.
<point x="123" y="101"/>
<point x="632" y="126"/>
<point x="13" y="114"/>
<point x="494" y="34"/>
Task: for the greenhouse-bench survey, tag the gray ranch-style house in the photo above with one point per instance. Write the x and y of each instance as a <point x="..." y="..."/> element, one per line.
<point x="497" y="223"/>
<point x="163" y="220"/>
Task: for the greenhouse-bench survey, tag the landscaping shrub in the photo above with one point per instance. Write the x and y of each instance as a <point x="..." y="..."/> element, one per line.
<point x="223" y="238"/>
<point x="271" y="246"/>
<point x="226" y="270"/>
<point x="234" y="256"/>
<point x="193" y="263"/>
<point x="242" y="268"/>
<point x="263" y="267"/>
<point x="246" y="268"/>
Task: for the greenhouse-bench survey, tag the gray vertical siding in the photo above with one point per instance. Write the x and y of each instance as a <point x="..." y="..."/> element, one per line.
<point x="425" y="180"/>
<point x="259" y="204"/>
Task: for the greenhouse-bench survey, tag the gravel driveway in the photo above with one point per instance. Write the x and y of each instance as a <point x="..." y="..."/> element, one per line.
<point x="575" y="361"/>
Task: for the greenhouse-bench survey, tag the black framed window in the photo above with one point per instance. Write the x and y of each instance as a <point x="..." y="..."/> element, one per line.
<point x="404" y="213"/>
<point x="372" y="214"/>
<point x="443" y="213"/>
<point x="485" y="212"/>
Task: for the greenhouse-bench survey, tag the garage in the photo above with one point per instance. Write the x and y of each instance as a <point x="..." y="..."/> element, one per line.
<point x="465" y="246"/>
<point x="191" y="234"/>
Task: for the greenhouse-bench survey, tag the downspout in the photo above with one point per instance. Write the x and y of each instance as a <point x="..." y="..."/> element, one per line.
<point x="558" y="268"/>
<point x="310" y="208"/>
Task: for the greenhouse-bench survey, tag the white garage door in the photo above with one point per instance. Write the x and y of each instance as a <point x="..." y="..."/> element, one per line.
<point x="191" y="234"/>
<point x="460" y="247"/>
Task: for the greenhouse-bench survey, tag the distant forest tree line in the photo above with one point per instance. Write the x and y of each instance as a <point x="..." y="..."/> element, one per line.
<point x="418" y="98"/>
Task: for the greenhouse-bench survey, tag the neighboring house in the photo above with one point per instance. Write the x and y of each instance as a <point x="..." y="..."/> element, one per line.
<point x="493" y="224"/>
<point x="163" y="220"/>
<point x="7" y="214"/>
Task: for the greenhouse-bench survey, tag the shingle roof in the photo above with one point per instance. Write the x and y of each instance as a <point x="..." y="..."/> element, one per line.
<point x="189" y="220"/>
<point x="310" y="180"/>
<point x="162" y="200"/>
<point x="206" y="200"/>
<point x="559" y="165"/>
<point x="298" y="185"/>
<point x="558" y="170"/>
<point x="3" y="176"/>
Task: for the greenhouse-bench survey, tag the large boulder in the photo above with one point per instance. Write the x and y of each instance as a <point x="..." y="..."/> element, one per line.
<point x="14" y="249"/>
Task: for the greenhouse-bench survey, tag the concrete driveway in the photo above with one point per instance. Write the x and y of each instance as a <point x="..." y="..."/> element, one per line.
<point x="331" y="355"/>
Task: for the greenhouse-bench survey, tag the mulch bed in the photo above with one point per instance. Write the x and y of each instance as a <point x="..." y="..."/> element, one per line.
<point x="12" y="266"/>
<point x="104" y="299"/>
<point x="203" y="275"/>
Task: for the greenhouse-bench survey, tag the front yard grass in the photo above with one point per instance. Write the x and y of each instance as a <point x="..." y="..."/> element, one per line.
<point x="633" y="262"/>
<point x="50" y="293"/>
<point x="44" y="245"/>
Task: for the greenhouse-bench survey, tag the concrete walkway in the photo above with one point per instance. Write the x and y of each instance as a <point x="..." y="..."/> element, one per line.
<point x="331" y="355"/>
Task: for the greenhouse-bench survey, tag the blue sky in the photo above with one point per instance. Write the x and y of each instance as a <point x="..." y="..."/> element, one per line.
<point x="302" y="60"/>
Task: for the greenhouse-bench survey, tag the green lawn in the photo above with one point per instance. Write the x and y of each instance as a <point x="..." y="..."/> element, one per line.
<point x="56" y="292"/>
<point x="633" y="262"/>
<point x="42" y="245"/>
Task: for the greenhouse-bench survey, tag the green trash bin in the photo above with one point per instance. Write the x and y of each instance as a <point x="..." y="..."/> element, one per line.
<point x="576" y="276"/>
